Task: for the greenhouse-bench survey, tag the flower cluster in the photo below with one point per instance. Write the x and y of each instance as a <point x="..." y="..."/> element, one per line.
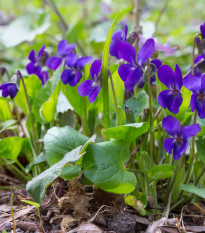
<point x="37" y="62"/>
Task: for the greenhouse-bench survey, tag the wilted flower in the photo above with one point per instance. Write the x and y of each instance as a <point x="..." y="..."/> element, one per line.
<point x="92" y="87"/>
<point x="11" y="88"/>
<point x="197" y="86"/>
<point x="63" y="50"/>
<point x="116" y="38"/>
<point x="157" y="63"/>
<point x="171" y="98"/>
<point x="73" y="75"/>
<point x="178" y="144"/>
<point x="36" y="64"/>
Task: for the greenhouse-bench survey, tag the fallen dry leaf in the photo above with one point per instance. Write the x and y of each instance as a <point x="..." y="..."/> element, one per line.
<point x="86" y="228"/>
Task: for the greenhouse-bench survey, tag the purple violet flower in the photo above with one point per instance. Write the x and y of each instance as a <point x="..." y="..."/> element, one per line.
<point x="11" y="88"/>
<point x="171" y="98"/>
<point x="132" y="72"/>
<point x="117" y="37"/>
<point x="202" y="29"/>
<point x="157" y="64"/>
<point x="73" y="75"/>
<point x="178" y="144"/>
<point x="63" y="50"/>
<point x="36" y="64"/>
<point x="196" y="85"/>
<point x="91" y="88"/>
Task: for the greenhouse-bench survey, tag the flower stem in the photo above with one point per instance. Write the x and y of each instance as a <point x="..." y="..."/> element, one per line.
<point x="30" y="112"/>
<point x="84" y="118"/>
<point x="12" y="213"/>
<point x="151" y="117"/>
<point x="171" y="182"/>
<point x="192" y="154"/>
<point x="105" y="100"/>
<point x="115" y="99"/>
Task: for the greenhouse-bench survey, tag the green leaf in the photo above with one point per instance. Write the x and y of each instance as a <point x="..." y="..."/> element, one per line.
<point x="9" y="124"/>
<point x="138" y="103"/>
<point x="37" y="205"/>
<point x="59" y="140"/>
<point x="48" y="109"/>
<point x="200" y="145"/>
<point x="104" y="165"/>
<point x="105" y="72"/>
<point x="22" y="29"/>
<point x="76" y="32"/>
<point x="39" y="159"/>
<point x="10" y="147"/>
<point x="33" y="86"/>
<point x="127" y="132"/>
<point x="37" y="186"/>
<point x="159" y="172"/>
<point x="193" y="189"/>
<point x="45" y="93"/>
<point x="4" y="110"/>
<point x="70" y="172"/>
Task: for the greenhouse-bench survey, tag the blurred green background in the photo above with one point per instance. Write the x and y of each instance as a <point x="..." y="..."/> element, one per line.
<point x="26" y="25"/>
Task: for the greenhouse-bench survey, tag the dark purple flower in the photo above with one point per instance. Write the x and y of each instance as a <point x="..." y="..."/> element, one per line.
<point x="117" y="37"/>
<point x="200" y="69"/>
<point x="202" y="29"/>
<point x="157" y="63"/>
<point x="171" y="98"/>
<point x="178" y="144"/>
<point x="91" y="88"/>
<point x="132" y="72"/>
<point x="63" y="50"/>
<point x="73" y="75"/>
<point x="11" y="88"/>
<point x="197" y="86"/>
<point x="36" y="64"/>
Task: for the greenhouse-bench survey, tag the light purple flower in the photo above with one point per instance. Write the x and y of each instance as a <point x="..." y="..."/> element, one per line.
<point x="178" y="144"/>
<point x="91" y="88"/>
<point x="158" y="46"/>
<point x="63" y="50"/>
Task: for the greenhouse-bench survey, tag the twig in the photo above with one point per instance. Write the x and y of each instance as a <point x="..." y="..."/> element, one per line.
<point x="62" y="21"/>
<point x="195" y="65"/>
<point x="135" y="150"/>
<point x="141" y="141"/>
<point x="161" y="14"/>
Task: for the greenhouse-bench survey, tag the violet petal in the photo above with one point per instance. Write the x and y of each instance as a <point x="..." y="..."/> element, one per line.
<point x="166" y="75"/>
<point x="53" y="62"/>
<point x="145" y="52"/>
<point x="124" y="70"/>
<point x="190" y="131"/>
<point x="95" y="68"/>
<point x="85" y="87"/>
<point x="171" y="125"/>
<point x="168" y="144"/>
<point x="179" y="149"/>
<point x="127" y="52"/>
<point x="133" y="78"/>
